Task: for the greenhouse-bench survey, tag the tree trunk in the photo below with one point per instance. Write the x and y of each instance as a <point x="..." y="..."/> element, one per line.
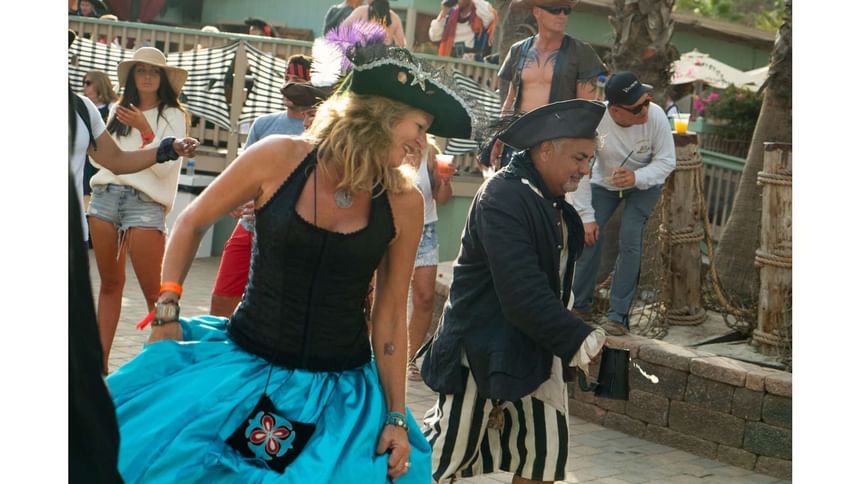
<point x="735" y="256"/>
<point x="643" y="30"/>
<point x="774" y="256"/>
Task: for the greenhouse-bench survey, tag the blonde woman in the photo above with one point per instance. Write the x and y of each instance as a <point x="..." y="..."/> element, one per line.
<point x="99" y="89"/>
<point x="127" y="213"/>
<point x="294" y="389"/>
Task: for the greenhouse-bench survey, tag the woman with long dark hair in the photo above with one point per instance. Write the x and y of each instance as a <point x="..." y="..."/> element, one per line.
<point x="379" y="11"/>
<point x="127" y="212"/>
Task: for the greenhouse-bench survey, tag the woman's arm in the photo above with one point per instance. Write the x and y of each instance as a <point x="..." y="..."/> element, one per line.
<point x="255" y="174"/>
<point x="397" y="35"/>
<point x="120" y="162"/>
<point x="388" y="332"/>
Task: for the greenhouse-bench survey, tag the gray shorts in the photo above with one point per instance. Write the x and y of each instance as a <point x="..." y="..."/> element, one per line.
<point x="126" y="207"/>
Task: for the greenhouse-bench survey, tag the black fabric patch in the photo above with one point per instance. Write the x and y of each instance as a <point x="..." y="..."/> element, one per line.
<point x="269" y="438"/>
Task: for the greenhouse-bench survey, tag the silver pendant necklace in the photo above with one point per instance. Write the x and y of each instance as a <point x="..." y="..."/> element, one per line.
<point x="343" y="198"/>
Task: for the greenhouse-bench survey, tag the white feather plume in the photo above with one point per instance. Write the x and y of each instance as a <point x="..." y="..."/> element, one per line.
<point x="326" y="64"/>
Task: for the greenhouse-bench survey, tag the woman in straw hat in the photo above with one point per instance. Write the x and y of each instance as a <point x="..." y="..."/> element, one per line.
<point x="292" y="388"/>
<point x="127" y="212"/>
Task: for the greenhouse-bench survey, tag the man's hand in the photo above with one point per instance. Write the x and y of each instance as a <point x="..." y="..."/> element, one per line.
<point x="623" y="178"/>
<point x="395" y="439"/>
<point x="443" y="10"/>
<point x="591" y="233"/>
<point x="589" y="350"/>
<point x="496" y="152"/>
<point x="186" y="147"/>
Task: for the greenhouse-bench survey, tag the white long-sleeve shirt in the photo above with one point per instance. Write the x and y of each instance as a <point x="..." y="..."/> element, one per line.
<point x="463" y="33"/>
<point x="161" y="180"/>
<point x="651" y="153"/>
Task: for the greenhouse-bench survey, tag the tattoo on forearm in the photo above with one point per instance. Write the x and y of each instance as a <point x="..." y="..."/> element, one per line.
<point x="388" y="349"/>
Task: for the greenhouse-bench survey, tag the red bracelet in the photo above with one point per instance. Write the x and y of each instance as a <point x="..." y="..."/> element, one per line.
<point x="147" y="138"/>
<point x="170" y="287"/>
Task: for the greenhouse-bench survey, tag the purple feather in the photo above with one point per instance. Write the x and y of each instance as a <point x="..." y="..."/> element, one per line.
<point x="356" y="33"/>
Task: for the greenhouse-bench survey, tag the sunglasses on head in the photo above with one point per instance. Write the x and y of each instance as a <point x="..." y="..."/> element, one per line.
<point x="637" y="108"/>
<point x="557" y="10"/>
<point x="88" y="82"/>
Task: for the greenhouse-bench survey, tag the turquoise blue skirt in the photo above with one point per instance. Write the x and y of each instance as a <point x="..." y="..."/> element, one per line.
<point x="177" y="403"/>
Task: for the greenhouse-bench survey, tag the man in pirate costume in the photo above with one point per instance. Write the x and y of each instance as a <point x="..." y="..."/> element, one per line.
<point x="505" y="336"/>
<point x="548" y="67"/>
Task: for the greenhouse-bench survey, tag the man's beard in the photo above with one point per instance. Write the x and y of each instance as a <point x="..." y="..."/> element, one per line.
<point x="572" y="185"/>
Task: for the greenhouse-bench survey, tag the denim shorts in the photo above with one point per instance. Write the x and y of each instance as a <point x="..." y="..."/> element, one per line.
<point x="126" y="207"/>
<point x="428" y="248"/>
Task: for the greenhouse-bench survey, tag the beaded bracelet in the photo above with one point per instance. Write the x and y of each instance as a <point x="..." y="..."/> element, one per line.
<point x="165" y="151"/>
<point x="397" y="419"/>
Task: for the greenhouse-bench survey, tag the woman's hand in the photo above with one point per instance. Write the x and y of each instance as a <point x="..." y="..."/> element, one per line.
<point x="395" y="439"/>
<point x="186" y="147"/>
<point x="133" y="117"/>
<point x="166" y="331"/>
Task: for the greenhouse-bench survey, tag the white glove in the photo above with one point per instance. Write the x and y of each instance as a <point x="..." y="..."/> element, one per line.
<point x="588" y="350"/>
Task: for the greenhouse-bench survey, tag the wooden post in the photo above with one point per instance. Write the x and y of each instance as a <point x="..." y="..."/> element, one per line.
<point x="774" y="256"/>
<point x="236" y="101"/>
<point x="681" y="233"/>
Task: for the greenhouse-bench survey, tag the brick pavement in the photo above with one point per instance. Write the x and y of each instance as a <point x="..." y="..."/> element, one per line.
<point x="597" y="454"/>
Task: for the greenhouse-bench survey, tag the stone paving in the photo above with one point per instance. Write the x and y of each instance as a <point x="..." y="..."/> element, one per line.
<point x="597" y="454"/>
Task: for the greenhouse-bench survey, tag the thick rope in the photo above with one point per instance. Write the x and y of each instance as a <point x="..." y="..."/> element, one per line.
<point x="763" y="258"/>
<point x="765" y="178"/>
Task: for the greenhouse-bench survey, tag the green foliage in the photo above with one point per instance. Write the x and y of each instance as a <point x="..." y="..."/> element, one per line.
<point x="763" y="14"/>
<point x="739" y="106"/>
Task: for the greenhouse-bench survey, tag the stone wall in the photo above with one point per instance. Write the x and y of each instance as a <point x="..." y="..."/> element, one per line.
<point x="716" y="407"/>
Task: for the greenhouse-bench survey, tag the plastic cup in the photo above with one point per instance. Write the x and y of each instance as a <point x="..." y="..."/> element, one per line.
<point x="444" y="165"/>
<point x="682" y="121"/>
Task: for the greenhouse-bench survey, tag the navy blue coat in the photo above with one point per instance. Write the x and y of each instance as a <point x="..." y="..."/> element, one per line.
<point x="507" y="304"/>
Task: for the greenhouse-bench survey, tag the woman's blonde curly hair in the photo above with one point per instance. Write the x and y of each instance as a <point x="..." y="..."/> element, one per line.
<point x="353" y="134"/>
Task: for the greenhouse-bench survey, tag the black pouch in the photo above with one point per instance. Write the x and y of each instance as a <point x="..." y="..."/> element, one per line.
<point x="269" y="438"/>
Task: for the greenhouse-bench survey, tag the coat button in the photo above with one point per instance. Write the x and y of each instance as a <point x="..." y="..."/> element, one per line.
<point x="559" y="247"/>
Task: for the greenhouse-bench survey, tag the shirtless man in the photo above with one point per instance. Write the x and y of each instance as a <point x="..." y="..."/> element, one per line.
<point x="536" y="78"/>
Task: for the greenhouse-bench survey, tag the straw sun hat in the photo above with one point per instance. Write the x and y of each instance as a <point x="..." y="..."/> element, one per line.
<point x="176" y="76"/>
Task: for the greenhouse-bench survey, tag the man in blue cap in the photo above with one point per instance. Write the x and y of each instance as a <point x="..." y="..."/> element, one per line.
<point x="637" y="155"/>
<point x="505" y="335"/>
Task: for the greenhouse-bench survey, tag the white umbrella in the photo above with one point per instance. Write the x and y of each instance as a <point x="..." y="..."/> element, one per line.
<point x="758" y="76"/>
<point x="697" y="66"/>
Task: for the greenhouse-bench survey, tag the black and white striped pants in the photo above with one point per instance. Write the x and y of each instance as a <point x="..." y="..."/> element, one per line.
<point x="531" y="443"/>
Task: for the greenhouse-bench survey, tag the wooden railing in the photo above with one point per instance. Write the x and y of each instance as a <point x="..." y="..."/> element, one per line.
<point x="219" y="146"/>
<point x="722" y="176"/>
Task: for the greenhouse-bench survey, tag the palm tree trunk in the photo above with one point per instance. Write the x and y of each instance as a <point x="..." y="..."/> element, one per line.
<point x="735" y="254"/>
<point x="643" y="31"/>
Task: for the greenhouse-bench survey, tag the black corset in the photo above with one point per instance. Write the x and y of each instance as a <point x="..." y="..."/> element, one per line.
<point x="304" y="303"/>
